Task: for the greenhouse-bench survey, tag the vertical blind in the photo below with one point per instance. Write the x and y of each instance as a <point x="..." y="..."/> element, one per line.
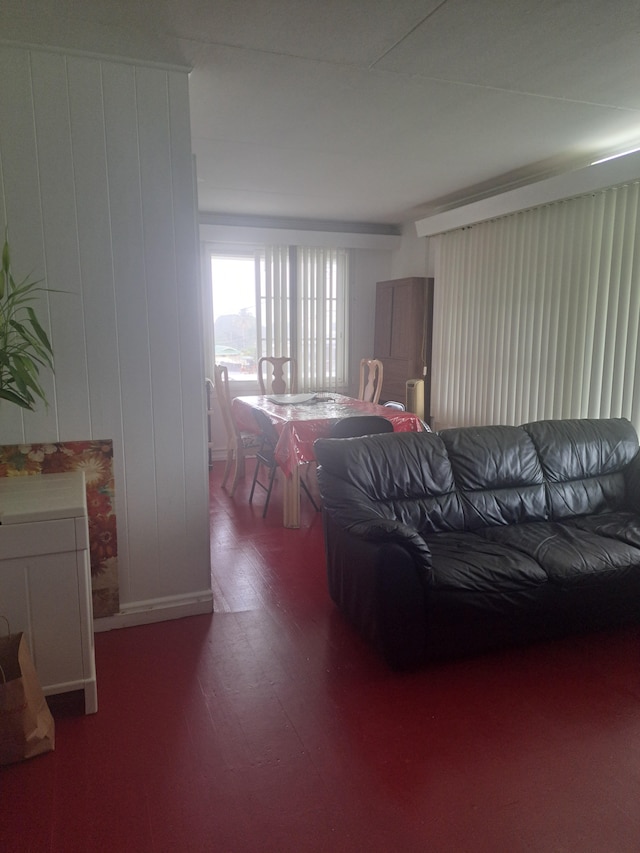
<point x="537" y="314"/>
<point x="273" y="282"/>
<point x="303" y="311"/>
<point x="322" y="346"/>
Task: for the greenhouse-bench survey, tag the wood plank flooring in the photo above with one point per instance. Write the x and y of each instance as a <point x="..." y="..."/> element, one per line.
<point x="270" y="726"/>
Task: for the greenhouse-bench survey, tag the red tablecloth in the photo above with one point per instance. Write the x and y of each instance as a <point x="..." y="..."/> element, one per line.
<point x="299" y="425"/>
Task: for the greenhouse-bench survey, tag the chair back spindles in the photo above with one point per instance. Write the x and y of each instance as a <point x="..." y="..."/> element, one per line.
<point x="239" y="444"/>
<point x="371" y="371"/>
<point x="271" y="375"/>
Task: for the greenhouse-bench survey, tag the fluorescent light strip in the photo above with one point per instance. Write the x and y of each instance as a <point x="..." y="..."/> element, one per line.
<point x="615" y="156"/>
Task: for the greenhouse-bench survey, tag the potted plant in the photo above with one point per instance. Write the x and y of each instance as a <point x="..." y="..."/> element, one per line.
<point x="24" y="345"/>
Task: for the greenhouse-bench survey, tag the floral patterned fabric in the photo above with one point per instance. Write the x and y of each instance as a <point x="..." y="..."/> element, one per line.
<point x="95" y="458"/>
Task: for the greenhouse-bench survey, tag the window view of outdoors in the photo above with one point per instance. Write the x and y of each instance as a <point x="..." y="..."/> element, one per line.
<point x="234" y="315"/>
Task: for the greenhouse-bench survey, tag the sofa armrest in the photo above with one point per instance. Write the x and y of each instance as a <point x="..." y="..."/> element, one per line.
<point x="352" y="510"/>
<point x="378" y="575"/>
<point x="385" y="531"/>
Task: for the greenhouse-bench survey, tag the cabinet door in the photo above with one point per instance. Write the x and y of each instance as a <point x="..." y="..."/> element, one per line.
<point x="40" y="597"/>
<point x="405" y="323"/>
<point x="402" y="339"/>
<point x="384" y="319"/>
<point x="399" y="324"/>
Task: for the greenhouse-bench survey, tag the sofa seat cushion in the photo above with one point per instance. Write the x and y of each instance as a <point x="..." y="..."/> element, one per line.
<point x="469" y="563"/>
<point x="568" y="555"/>
<point x="624" y="526"/>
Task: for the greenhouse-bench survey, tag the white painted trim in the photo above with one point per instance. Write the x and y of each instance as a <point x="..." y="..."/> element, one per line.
<point x="157" y="610"/>
<point x="292" y="237"/>
<point x="588" y="179"/>
<point x="121" y="59"/>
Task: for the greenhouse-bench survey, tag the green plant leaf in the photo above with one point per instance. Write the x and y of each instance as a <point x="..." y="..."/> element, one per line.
<point x="5" y="256"/>
<point x="25" y="347"/>
<point x="31" y="346"/>
<point x="37" y="328"/>
<point x="20" y="375"/>
<point x="25" y="374"/>
<point x="6" y="394"/>
<point x="24" y="290"/>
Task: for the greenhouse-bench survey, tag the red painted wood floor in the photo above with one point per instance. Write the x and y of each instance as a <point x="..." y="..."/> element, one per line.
<point x="270" y="726"/>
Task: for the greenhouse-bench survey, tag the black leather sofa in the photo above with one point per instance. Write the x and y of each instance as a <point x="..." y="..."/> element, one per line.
<point x="458" y="542"/>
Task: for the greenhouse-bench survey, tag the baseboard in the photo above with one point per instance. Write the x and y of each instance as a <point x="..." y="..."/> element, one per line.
<point x="157" y="610"/>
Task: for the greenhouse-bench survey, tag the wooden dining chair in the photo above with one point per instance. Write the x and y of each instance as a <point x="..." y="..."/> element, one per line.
<point x="266" y="458"/>
<point x="240" y="444"/>
<point x="271" y="375"/>
<point x="371" y="370"/>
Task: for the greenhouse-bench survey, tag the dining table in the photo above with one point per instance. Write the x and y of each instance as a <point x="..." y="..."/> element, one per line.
<point x="300" y="422"/>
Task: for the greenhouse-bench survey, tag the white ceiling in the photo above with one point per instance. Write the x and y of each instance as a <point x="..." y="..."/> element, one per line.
<point x="377" y="111"/>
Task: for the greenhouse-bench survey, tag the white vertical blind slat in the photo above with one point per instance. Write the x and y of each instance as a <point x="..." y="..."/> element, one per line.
<point x="274" y="302"/>
<point x="537" y="314"/>
<point x="323" y="301"/>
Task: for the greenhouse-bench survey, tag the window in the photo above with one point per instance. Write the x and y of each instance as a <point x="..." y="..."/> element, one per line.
<point x="283" y="300"/>
<point x="234" y="315"/>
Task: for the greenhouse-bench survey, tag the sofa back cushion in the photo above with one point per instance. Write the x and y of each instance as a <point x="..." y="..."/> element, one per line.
<point x="583" y="462"/>
<point x="473" y="477"/>
<point x="497" y="474"/>
<point x="405" y="476"/>
<point x="459" y="479"/>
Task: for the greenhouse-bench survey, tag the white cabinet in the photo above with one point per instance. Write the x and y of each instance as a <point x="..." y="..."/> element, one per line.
<point x="45" y="578"/>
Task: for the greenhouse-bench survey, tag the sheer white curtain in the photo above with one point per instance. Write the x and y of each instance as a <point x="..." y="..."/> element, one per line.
<point x="537" y="314"/>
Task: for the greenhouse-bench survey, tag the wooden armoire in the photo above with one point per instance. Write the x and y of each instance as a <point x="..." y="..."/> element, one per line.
<point x="403" y="333"/>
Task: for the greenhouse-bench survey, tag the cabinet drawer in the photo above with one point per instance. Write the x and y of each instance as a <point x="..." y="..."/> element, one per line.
<point x="37" y="537"/>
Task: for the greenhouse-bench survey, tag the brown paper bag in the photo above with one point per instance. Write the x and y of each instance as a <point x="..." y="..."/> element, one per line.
<point x="26" y="725"/>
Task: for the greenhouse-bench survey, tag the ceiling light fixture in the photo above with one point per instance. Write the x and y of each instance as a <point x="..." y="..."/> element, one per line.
<point x="615" y="156"/>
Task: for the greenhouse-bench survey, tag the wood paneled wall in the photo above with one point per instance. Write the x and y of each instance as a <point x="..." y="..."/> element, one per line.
<point x="96" y="186"/>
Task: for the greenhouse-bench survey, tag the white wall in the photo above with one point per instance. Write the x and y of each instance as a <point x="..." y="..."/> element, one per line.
<point x="370" y="268"/>
<point x="412" y="258"/>
<point x="96" y="185"/>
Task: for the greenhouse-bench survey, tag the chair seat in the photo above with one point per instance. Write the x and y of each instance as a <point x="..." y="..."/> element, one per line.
<point x="249" y="440"/>
<point x="266" y="457"/>
<point x="359" y="425"/>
